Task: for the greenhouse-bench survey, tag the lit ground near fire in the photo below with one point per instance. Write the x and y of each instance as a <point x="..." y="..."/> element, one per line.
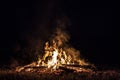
<point x="60" y="74"/>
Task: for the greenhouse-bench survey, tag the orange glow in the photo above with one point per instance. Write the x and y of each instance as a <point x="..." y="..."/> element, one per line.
<point x="58" y="53"/>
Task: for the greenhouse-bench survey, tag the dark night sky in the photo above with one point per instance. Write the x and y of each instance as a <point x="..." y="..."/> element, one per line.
<point x="90" y="30"/>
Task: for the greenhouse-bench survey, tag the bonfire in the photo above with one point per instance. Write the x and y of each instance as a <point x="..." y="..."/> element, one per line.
<point x="58" y="54"/>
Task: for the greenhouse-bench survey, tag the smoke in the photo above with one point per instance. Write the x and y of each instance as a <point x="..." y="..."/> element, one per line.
<point x="61" y="39"/>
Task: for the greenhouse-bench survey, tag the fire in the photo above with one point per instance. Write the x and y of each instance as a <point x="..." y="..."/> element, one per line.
<point x="55" y="56"/>
<point x="54" y="60"/>
<point x="58" y="53"/>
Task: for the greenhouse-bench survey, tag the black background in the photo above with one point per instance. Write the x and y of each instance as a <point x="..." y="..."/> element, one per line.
<point x="90" y="29"/>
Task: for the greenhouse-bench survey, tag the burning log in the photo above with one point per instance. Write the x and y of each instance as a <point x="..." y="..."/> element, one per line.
<point x="92" y="67"/>
<point x="62" y="68"/>
<point x="66" y="69"/>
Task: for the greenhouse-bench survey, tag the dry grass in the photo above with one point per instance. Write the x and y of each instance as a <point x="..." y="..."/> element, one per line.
<point x="97" y="75"/>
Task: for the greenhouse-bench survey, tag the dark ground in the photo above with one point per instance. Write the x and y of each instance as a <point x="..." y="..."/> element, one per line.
<point x="63" y="73"/>
<point x="97" y="75"/>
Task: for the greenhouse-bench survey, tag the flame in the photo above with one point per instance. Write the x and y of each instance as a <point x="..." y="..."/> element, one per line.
<point x="54" y="60"/>
<point x="58" y="53"/>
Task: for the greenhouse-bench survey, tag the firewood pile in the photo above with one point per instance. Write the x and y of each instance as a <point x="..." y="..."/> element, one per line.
<point x="63" y="68"/>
